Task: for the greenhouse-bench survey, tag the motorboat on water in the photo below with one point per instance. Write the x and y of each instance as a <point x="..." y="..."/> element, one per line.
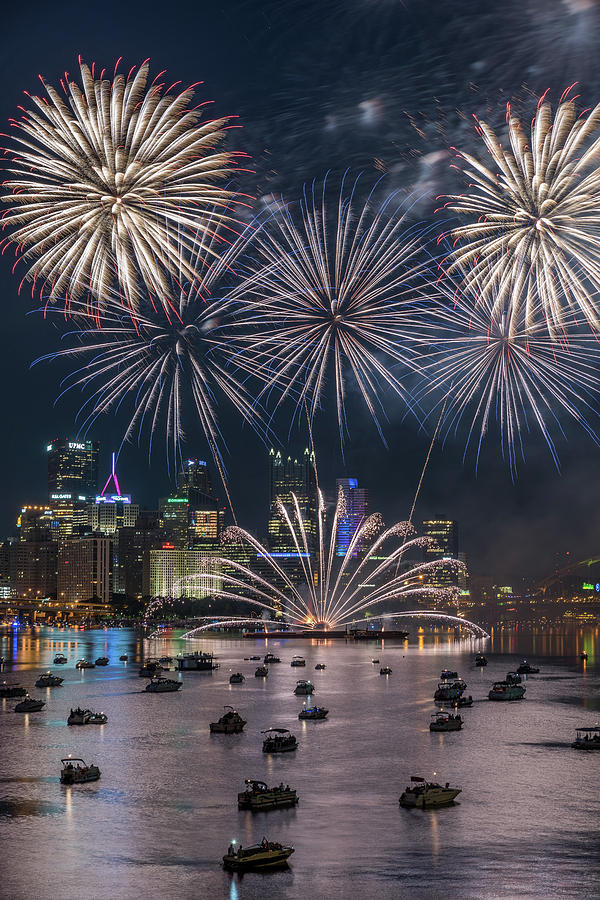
<point x="124" y="657"/>
<point x="526" y="669"/>
<point x="423" y="794"/>
<point x="237" y="678"/>
<point x="79" y="716"/>
<point x="448" y="675"/>
<point x="320" y="666"/>
<point x="95" y="718"/>
<point x="230" y="722"/>
<point x="504" y="691"/>
<point x="279" y="740"/>
<point x="448" y="691"/>
<point x="266" y="855"/>
<point x="314" y="712"/>
<point x="85" y="664"/>
<point x="76" y="771"/>
<point x="102" y="661"/>
<point x="385" y="670"/>
<point x="513" y="678"/>
<point x="375" y="662"/>
<point x="304" y="688"/>
<point x="587" y="738"/>
<point x="30" y="704"/>
<point x="298" y="661"/>
<point x="150" y="668"/>
<point x="163" y="685"/>
<point x="480" y="660"/>
<point x="11" y="690"/>
<point x="258" y="796"/>
<point x="269" y="658"/>
<point x="460" y="702"/>
<point x="196" y="662"/>
<point x="47" y="679"/>
<point x="262" y="672"/>
<point x="441" y="721"/>
<point x="60" y="660"/>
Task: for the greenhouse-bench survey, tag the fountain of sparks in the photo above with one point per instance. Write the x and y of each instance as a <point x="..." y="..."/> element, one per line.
<point x="334" y="589"/>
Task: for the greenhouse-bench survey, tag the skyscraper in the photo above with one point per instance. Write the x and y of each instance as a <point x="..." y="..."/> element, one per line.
<point x="356" y="505"/>
<point x="206" y="516"/>
<point x="85" y="570"/>
<point x="287" y="476"/>
<point x="111" y="511"/>
<point x="194" y="476"/>
<point x="72" y="482"/>
<point x="445" y="533"/>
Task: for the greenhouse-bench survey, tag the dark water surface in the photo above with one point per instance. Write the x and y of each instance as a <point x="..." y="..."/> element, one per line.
<point x="164" y="811"/>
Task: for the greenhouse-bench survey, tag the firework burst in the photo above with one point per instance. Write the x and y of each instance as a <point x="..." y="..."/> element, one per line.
<point x="332" y="592"/>
<point x="534" y="231"/>
<point x="166" y="363"/>
<point x="328" y="293"/>
<point x="101" y="181"/>
<point x="488" y="363"/>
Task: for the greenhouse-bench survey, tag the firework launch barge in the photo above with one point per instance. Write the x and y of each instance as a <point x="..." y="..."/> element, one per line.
<point x="318" y="634"/>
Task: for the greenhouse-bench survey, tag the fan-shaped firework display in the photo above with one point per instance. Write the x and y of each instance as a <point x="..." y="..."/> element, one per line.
<point x="166" y="360"/>
<point x="534" y="232"/>
<point x="332" y="593"/>
<point x="489" y="364"/>
<point x="103" y="182"/>
<point x="329" y="290"/>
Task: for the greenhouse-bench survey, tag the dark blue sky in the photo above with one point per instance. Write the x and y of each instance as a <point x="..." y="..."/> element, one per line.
<point x="318" y="87"/>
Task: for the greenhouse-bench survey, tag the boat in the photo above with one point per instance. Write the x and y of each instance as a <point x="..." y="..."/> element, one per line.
<point x="385" y="670"/>
<point x="11" y="690"/>
<point x="84" y="664"/>
<point x="441" y="721"/>
<point x="448" y="675"/>
<point x="304" y="688"/>
<point x="78" y="716"/>
<point x="150" y="668"/>
<point x="448" y="691"/>
<point x="279" y="740"/>
<point x="314" y="712"/>
<point x="269" y="658"/>
<point x="60" y="660"/>
<point x="460" y="702"/>
<point x="427" y="794"/>
<point x="30" y="704"/>
<point x="251" y="658"/>
<point x="587" y="738"/>
<point x="95" y="718"/>
<point x="258" y="796"/>
<point x="124" y="657"/>
<point x="236" y="678"/>
<point x="375" y="662"/>
<point x="102" y="661"/>
<point x="583" y="655"/>
<point x="47" y="679"/>
<point x="262" y="672"/>
<point x="163" y="685"/>
<point x="74" y="773"/>
<point x="266" y="855"/>
<point x="196" y="662"/>
<point x="526" y="669"/>
<point x="230" y="722"/>
<point x="480" y="660"/>
<point x="504" y="691"/>
<point x="513" y="678"/>
<point x="298" y="661"/>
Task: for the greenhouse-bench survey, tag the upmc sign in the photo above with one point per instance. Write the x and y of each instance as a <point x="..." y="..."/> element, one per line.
<point x="73" y="446"/>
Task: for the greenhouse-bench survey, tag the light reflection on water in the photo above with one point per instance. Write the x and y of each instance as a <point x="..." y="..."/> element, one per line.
<point x="165" y="811"/>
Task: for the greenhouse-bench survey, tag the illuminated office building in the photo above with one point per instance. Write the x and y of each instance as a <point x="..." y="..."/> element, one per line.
<point x="72" y="483"/>
<point x="287" y="476"/>
<point x="445" y="533"/>
<point x="174" y="521"/>
<point x="194" y="476"/>
<point x="356" y="505"/>
<point x="85" y="569"/>
<point x="37" y="523"/>
<point x="111" y="510"/>
<point x="182" y="573"/>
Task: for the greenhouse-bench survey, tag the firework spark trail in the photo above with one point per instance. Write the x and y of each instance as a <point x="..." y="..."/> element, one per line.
<point x="98" y="181"/>
<point x="534" y="232"/>
<point x="165" y="366"/>
<point x="485" y="360"/>
<point x="338" y="603"/>
<point x="331" y="289"/>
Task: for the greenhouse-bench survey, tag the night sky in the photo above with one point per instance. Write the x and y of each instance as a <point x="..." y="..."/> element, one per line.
<point x="365" y="84"/>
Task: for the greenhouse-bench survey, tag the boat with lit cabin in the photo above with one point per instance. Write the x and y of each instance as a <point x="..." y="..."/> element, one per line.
<point x="230" y="722"/>
<point x="266" y="855"/>
<point x="258" y="796"/>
